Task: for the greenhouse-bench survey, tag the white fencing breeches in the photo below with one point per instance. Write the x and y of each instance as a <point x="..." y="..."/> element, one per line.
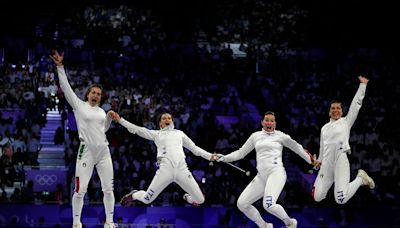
<point x="338" y="172"/>
<point x="267" y="186"/>
<point x="167" y="174"/>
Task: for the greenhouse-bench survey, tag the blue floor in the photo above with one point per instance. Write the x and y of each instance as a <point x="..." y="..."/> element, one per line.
<point x="28" y="215"/>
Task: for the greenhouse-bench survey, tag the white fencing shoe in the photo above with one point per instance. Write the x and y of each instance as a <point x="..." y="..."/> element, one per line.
<point x="292" y="224"/>
<point x="367" y="180"/>
<point x="128" y="199"/>
<point x="79" y="225"/>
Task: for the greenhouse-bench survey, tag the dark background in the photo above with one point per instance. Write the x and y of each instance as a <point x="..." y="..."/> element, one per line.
<point x="330" y="23"/>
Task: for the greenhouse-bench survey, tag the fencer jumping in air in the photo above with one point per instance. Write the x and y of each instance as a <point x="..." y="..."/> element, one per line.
<point x="171" y="159"/>
<point x="271" y="177"/>
<point x="92" y="123"/>
<point x="334" y="147"/>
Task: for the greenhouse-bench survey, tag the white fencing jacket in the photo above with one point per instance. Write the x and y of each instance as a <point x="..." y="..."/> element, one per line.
<point x="169" y="142"/>
<point x="335" y="134"/>
<point x="92" y="121"/>
<point x="268" y="148"/>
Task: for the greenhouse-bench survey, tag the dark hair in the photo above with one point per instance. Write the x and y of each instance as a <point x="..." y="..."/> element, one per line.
<point x="90" y="89"/>
<point x="268" y="113"/>
<point x="336" y="101"/>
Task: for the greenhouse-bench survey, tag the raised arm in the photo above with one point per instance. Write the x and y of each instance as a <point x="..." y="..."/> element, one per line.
<point x="190" y="145"/>
<point x="357" y="101"/>
<point x="69" y="93"/>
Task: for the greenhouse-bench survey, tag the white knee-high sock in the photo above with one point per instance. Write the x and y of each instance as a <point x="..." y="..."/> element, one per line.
<point x="253" y="214"/>
<point x="77" y="205"/>
<point x="109" y="202"/>
<point x="139" y="195"/>
<point x="278" y="211"/>
<point x="352" y="188"/>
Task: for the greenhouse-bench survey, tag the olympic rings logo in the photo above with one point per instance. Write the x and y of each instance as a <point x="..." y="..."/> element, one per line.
<point x="45" y="179"/>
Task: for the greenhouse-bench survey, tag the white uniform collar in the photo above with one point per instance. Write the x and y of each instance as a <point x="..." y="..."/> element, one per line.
<point x="333" y="120"/>
<point x="268" y="133"/>
<point x="170" y="127"/>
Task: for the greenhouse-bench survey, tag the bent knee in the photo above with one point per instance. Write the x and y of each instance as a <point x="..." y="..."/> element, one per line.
<point x="81" y="189"/>
<point x="317" y="195"/>
<point x="340" y="200"/>
<point x="202" y="199"/>
<point x="79" y="194"/>
<point x="318" y="198"/>
<point x="270" y="208"/>
<point x="242" y="205"/>
<point x="199" y="199"/>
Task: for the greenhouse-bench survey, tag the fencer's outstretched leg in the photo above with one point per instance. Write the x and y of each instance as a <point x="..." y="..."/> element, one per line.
<point x="187" y="182"/>
<point x="164" y="176"/>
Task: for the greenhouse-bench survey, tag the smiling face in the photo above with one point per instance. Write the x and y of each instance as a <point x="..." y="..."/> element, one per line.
<point x="269" y="123"/>
<point x="336" y="112"/>
<point x="165" y="120"/>
<point x="93" y="96"/>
